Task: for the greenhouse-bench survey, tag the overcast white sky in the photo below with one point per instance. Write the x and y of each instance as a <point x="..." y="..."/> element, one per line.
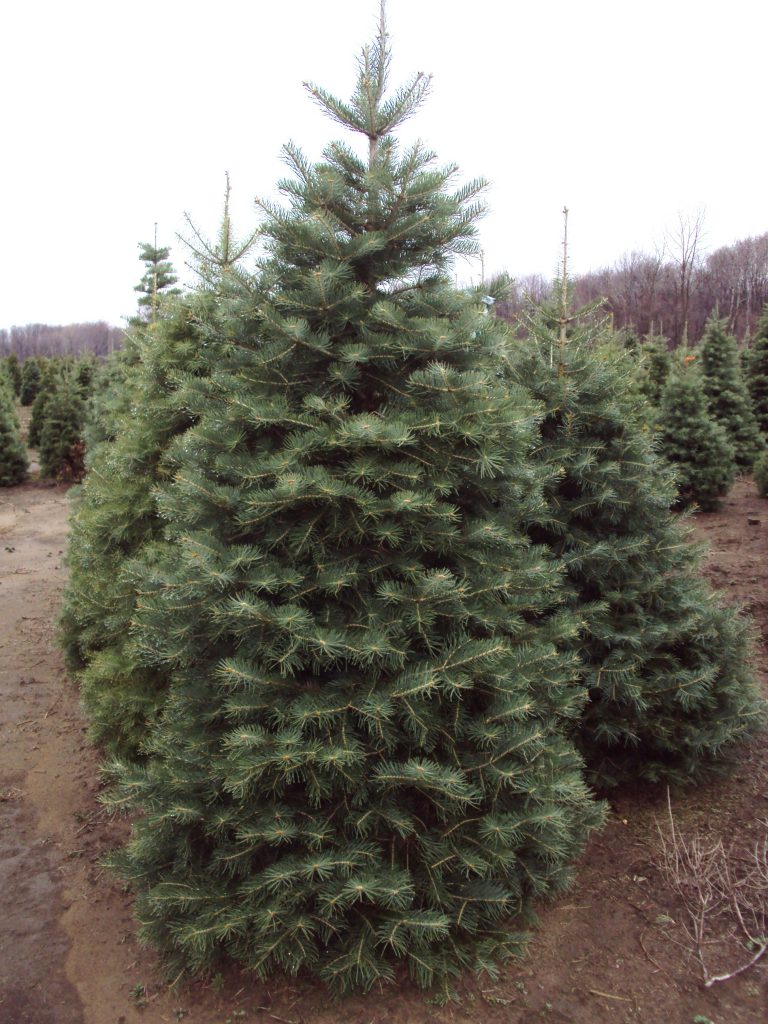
<point x="116" y="115"/>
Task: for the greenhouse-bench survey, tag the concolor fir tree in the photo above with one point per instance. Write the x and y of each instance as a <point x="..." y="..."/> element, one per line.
<point x="727" y="395"/>
<point x="670" y="692"/>
<point x="362" y="760"/>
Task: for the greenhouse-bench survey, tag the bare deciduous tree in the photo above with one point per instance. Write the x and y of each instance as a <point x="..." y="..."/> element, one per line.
<point x="685" y="244"/>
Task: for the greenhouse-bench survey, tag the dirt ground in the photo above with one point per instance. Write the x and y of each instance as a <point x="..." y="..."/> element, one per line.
<point x="613" y="950"/>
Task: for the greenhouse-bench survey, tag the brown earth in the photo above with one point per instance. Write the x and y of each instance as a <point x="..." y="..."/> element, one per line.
<point x="609" y="952"/>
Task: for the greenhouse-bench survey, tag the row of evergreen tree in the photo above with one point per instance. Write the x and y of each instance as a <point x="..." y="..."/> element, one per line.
<point x="368" y="599"/>
<point x="71" y="397"/>
<point x="60" y="391"/>
<point x="711" y="409"/>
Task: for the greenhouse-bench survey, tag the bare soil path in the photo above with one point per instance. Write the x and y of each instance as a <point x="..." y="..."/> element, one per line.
<point x="607" y="953"/>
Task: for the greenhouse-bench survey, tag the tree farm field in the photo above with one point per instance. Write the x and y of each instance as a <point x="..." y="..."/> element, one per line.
<point x="613" y="949"/>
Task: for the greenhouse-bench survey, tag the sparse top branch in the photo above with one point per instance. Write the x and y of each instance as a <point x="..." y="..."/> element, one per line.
<point x="387" y="223"/>
<point x="213" y="260"/>
<point x="368" y="112"/>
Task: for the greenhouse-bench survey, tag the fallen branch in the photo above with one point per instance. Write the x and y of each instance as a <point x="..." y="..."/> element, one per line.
<point x="607" y="995"/>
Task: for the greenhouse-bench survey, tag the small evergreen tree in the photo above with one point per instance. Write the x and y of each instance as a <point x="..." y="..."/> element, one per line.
<point x="158" y="280"/>
<point x="61" y="447"/>
<point x="13" y="369"/>
<point x="760" y="471"/>
<point x="115" y="519"/>
<point x="85" y="371"/>
<point x="727" y="395"/>
<point x="49" y="381"/>
<point x="13" y="456"/>
<point x="107" y="396"/>
<point x="6" y="381"/>
<point x="698" y="449"/>
<point x="30" y="381"/>
<point x="627" y="338"/>
<point x="656" y="364"/>
<point x="135" y="417"/>
<point x="362" y="759"/>
<point x="757" y="376"/>
<point x="670" y="692"/>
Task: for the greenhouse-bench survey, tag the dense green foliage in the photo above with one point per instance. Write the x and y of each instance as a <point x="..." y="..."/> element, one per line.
<point x="363" y="756"/>
<point x="727" y="395"/>
<point x="698" y="448"/>
<point x="670" y="694"/>
<point x="757" y="375"/>
<point x="13" y="455"/>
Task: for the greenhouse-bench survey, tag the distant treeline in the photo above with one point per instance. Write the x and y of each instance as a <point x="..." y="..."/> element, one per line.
<point x="672" y="292"/>
<point x="99" y="338"/>
<point x="675" y="288"/>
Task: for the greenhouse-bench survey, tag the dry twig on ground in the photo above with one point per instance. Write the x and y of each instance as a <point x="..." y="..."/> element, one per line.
<point x="724" y="897"/>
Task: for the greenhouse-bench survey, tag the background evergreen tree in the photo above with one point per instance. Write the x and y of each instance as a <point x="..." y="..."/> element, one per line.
<point x="13" y="369"/>
<point x="6" y="381"/>
<point x="702" y="457"/>
<point x="115" y="517"/>
<point x="61" y="451"/>
<point x="49" y="381"/>
<point x="760" y="471"/>
<point x="362" y="760"/>
<point x="670" y="693"/>
<point x="108" y="394"/>
<point x="13" y="455"/>
<point x="31" y="375"/>
<point x="727" y="395"/>
<point x="656" y="364"/>
<point x="85" y="371"/>
<point x="158" y="280"/>
<point x="757" y="376"/>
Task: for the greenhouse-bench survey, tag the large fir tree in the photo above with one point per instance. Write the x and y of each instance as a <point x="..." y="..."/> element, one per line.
<point x="670" y="692"/>
<point x="729" y="400"/>
<point x="698" y="448"/>
<point x="362" y="760"/>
